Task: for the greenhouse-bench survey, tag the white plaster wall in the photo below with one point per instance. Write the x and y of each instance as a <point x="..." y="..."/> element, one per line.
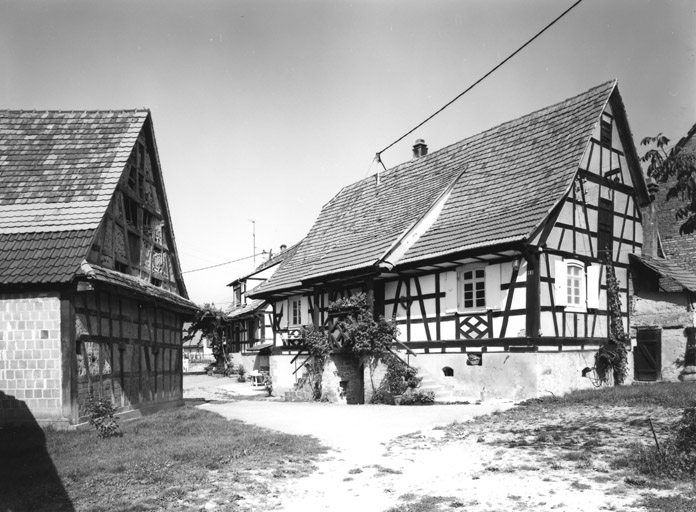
<point x="673" y="348"/>
<point x="282" y="372"/>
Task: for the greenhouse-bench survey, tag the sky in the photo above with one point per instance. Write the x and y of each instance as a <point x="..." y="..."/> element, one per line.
<point x="264" y="109"/>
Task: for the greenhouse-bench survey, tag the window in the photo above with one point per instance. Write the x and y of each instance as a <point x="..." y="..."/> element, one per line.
<point x="605" y="132"/>
<point x="472" y="288"/>
<point x="577" y="285"/>
<point x="575" y="288"/>
<point x="296" y="311"/>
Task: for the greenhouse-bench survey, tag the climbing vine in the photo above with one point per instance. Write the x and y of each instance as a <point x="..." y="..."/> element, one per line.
<point x="613" y="356"/>
<point x="368" y="339"/>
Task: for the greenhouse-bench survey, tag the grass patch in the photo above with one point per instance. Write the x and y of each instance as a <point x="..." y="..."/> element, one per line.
<point x="664" y="394"/>
<point x="160" y="459"/>
<point x="427" y="504"/>
<point x="676" y="503"/>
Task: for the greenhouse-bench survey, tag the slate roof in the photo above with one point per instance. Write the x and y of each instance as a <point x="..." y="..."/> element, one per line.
<point x="670" y="269"/>
<point x="505" y="181"/>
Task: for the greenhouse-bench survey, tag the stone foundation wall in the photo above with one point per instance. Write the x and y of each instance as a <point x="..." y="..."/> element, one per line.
<point x="30" y="358"/>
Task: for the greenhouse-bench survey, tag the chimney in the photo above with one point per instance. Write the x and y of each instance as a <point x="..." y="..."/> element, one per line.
<point x="420" y="148"/>
<point x="283" y="247"/>
<point x="651" y="222"/>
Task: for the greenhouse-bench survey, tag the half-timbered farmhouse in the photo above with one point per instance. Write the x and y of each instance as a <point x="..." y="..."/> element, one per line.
<point x="91" y="295"/>
<point x="491" y="253"/>
<point x="250" y="333"/>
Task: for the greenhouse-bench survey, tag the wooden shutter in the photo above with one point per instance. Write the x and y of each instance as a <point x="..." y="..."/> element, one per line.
<point x="493" y="287"/>
<point x="450" y="279"/>
<point x="560" y="286"/>
<point x="593" y="286"/>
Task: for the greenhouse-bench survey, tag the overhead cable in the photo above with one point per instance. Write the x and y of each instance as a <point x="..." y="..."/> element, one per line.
<point x="480" y="79"/>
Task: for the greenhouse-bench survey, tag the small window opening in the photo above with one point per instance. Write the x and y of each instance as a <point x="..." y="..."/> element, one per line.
<point x="121" y="267"/>
<point x="448" y="372"/>
<point x="156" y="282"/>
<point x="131" y="211"/>
<point x="605" y="133"/>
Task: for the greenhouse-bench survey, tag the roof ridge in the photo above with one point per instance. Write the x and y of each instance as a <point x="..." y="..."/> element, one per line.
<point x="75" y="111"/>
<point x="510" y="122"/>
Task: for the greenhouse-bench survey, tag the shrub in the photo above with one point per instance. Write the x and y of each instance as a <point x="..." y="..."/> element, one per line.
<point x="102" y="416"/>
<point x="677" y="456"/>
<point x="417" y="397"/>
<point x="242" y="374"/>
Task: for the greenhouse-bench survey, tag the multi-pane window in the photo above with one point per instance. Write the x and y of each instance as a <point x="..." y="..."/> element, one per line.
<point x="472" y="288"/>
<point x="296" y="311"/>
<point x="575" y="285"/>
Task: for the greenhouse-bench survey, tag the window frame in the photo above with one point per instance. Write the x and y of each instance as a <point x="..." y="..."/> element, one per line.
<point x="295" y="317"/>
<point x="474" y="268"/>
<point x="581" y="306"/>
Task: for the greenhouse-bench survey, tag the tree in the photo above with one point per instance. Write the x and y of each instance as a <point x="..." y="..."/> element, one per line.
<point x="678" y="167"/>
<point x="210" y="322"/>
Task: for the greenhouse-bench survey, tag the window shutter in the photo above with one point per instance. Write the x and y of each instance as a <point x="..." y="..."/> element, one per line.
<point x="450" y="282"/>
<point x="305" y="311"/>
<point x="493" y="287"/>
<point x="560" y="286"/>
<point x="593" y="272"/>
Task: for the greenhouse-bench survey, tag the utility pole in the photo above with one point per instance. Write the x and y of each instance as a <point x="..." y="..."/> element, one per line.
<point x="253" y="235"/>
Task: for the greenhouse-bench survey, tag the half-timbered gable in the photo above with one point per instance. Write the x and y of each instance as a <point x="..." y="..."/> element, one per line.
<point x="495" y="245"/>
<point x="92" y="299"/>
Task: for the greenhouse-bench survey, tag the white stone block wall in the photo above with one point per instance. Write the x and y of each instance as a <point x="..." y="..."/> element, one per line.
<point x="30" y="357"/>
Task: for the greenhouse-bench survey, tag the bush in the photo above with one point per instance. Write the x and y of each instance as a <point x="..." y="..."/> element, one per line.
<point x="102" y="416"/>
<point x="417" y="397"/>
<point x="677" y="459"/>
<point x="242" y="374"/>
<point x="382" y="396"/>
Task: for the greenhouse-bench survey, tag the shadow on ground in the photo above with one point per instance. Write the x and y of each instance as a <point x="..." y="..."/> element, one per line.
<point x="28" y="479"/>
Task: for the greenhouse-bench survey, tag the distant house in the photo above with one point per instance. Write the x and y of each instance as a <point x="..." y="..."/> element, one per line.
<point x="664" y="282"/>
<point x="197" y="349"/>
<point x="250" y="329"/>
<point x="490" y="253"/>
<point x="91" y="295"/>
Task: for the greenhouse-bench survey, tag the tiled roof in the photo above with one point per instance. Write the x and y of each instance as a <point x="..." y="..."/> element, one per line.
<point x="675" y="245"/>
<point x="275" y="260"/>
<point x="505" y="181"/>
<point x="42" y="257"/>
<point x="246" y="309"/>
<point x="107" y="276"/>
<point x="58" y="171"/>
<point x="670" y="269"/>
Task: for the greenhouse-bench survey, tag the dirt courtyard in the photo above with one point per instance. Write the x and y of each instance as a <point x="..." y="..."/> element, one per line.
<point x="384" y="458"/>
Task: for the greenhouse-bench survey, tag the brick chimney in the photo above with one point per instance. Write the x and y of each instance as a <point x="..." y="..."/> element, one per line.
<point x="420" y="148"/>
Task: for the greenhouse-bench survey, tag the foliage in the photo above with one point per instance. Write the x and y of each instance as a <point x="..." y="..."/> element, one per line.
<point x="211" y="322"/>
<point x="102" y="415"/>
<point x="355" y="301"/>
<point x="613" y="356"/>
<point x="371" y="339"/>
<point x="399" y="379"/>
<point x="676" y="458"/>
<point x="268" y="383"/>
<point x="242" y="374"/>
<point x="320" y="346"/>
<point x="417" y="397"/>
<point x="678" y="167"/>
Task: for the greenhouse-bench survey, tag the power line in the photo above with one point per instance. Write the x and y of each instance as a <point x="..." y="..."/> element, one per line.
<point x="480" y="79"/>
<point x="225" y="263"/>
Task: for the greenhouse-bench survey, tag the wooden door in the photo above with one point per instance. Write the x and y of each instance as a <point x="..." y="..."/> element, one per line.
<point x="647" y="354"/>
